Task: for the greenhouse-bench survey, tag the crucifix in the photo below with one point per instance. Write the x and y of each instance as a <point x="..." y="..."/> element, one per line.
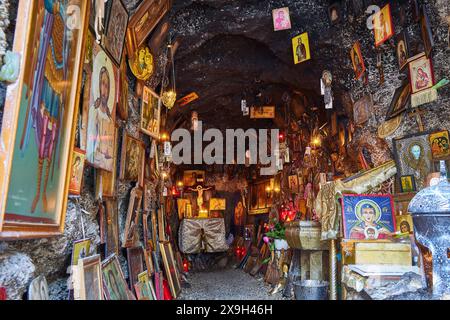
<point x="418" y="114"/>
<point x="199" y="189"/>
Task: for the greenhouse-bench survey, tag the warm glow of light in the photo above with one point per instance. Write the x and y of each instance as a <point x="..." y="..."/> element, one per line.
<point x="169" y="98"/>
<point x="164" y="137"/>
<point x="316" y="141"/>
<point x="180" y="184"/>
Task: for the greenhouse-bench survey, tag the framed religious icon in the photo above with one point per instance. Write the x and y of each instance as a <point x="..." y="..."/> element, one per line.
<point x="368" y="217"/>
<point x="402" y="49"/>
<point x="192" y="178"/>
<point x="112" y="228"/>
<point x="407" y="183"/>
<point x="114" y="284"/>
<point x="172" y="274"/>
<point x="102" y="111"/>
<point x="130" y="235"/>
<point x="105" y="181"/>
<point x="144" y="20"/>
<point x="149" y="261"/>
<point x="39" y="119"/>
<point x="439" y="143"/>
<point x="122" y="106"/>
<point x="357" y="60"/>
<point x="259" y="199"/>
<point x="421" y="75"/>
<point x="300" y="48"/>
<point x="335" y="13"/>
<point x="405" y="224"/>
<point x="383" y="26"/>
<point x="400" y="102"/>
<point x="132" y="159"/>
<point x="216" y="204"/>
<point x="135" y="259"/>
<point x="150" y="113"/>
<point x="81" y="249"/>
<point x="362" y="109"/>
<point x="293" y="183"/>
<point x="116" y="27"/>
<point x="88" y="284"/>
<point x="281" y="19"/>
<point x="144" y="290"/>
<point x="76" y="176"/>
<point x="427" y="34"/>
<point x="413" y="157"/>
<point x="263" y="112"/>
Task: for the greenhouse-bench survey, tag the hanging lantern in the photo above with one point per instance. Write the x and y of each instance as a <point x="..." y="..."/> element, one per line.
<point x="169" y="94"/>
<point x="169" y="98"/>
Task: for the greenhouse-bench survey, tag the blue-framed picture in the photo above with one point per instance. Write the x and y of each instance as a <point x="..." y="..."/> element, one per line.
<point x="368" y="217"/>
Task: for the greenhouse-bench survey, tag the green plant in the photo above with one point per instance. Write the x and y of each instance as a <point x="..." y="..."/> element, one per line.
<point x="278" y="232"/>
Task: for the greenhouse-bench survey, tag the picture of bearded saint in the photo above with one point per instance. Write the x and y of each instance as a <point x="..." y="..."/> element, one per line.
<point x="47" y="92"/>
<point x="416" y="159"/>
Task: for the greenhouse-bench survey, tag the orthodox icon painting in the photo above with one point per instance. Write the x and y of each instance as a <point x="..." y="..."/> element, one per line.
<point x="81" y="249"/>
<point x="135" y="258"/>
<point x="133" y="216"/>
<point x="421" y="73"/>
<point x="368" y="217"/>
<point x="216" y="204"/>
<point x="116" y="28"/>
<point x="427" y="34"/>
<point x="171" y="268"/>
<point x="112" y="228"/>
<point x="402" y="49"/>
<point x="413" y="157"/>
<point x="132" y="159"/>
<point x="89" y="284"/>
<point x="264" y="112"/>
<point x="383" y="26"/>
<point x="281" y="19"/>
<point x="114" y="282"/>
<point x="76" y="176"/>
<point x="193" y="178"/>
<point x="144" y="288"/>
<point x="102" y="111"/>
<point x="293" y="183"/>
<point x="400" y="101"/>
<point x="439" y="143"/>
<point x="357" y="60"/>
<point x="301" y="49"/>
<point x="105" y="181"/>
<point x="39" y="119"/>
<point x="334" y="13"/>
<point x="122" y="106"/>
<point x="150" y="113"/>
<point x="407" y="183"/>
<point x="405" y="224"/>
<point x="362" y="110"/>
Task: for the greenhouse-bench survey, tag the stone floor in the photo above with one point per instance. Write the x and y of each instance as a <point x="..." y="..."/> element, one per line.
<point x="227" y="284"/>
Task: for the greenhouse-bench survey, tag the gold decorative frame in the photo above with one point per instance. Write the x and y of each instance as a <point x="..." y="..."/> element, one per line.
<point x="23" y="44"/>
<point x="172" y="274"/>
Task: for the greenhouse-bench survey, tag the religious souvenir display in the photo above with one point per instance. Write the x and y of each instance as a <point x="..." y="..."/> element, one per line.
<point x="39" y="119"/>
<point x="402" y="49"/>
<point x="135" y="258"/>
<point x="192" y="178"/>
<point x="334" y="13"/>
<point x="400" y="102"/>
<point x="88" y="284"/>
<point x="102" y="110"/>
<point x="265" y="112"/>
<point x="362" y="110"/>
<point x="383" y="27"/>
<point x="407" y="183"/>
<point x="427" y="34"/>
<point x="216" y="204"/>
<point x="81" y="249"/>
<point x="188" y="99"/>
<point x="421" y="73"/>
<point x="141" y="63"/>
<point x="413" y="157"/>
<point x="281" y="19"/>
<point x="76" y="176"/>
<point x="300" y="48"/>
<point x="144" y="20"/>
<point x="132" y="159"/>
<point x="105" y="181"/>
<point x="439" y="142"/>
<point x="114" y="38"/>
<point x="172" y="272"/>
<point x="112" y="228"/>
<point x="114" y="284"/>
<point x="38" y="289"/>
<point x="133" y="217"/>
<point x="150" y="113"/>
<point x="404" y="224"/>
<point x="357" y="60"/>
<point x="368" y="217"/>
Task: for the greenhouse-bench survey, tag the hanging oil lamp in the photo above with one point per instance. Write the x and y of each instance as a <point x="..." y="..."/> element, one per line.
<point x="169" y="94"/>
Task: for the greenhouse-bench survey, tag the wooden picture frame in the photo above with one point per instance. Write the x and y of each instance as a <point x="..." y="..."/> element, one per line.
<point x="217" y="204"/>
<point x="258" y="201"/>
<point x="130" y="235"/>
<point x="31" y="216"/>
<point x="77" y="171"/>
<point x="439" y="143"/>
<point x="281" y="19"/>
<point x="132" y="159"/>
<point x="149" y="261"/>
<point x="407" y="184"/>
<point x="150" y="113"/>
<point x="135" y="259"/>
<point x="144" y="287"/>
<point x="357" y="59"/>
<point x="114" y="284"/>
<point x="122" y="106"/>
<point x="113" y="40"/>
<point x="105" y="181"/>
<point x="112" y="243"/>
<point x="162" y="224"/>
<point x="171" y="269"/>
<point x="144" y="20"/>
<point x="88" y="284"/>
<point x="362" y="109"/>
<point x="400" y="102"/>
<point x="383" y="29"/>
<point x="402" y="49"/>
<point x="427" y="33"/>
<point x="81" y="249"/>
<point x="421" y="73"/>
